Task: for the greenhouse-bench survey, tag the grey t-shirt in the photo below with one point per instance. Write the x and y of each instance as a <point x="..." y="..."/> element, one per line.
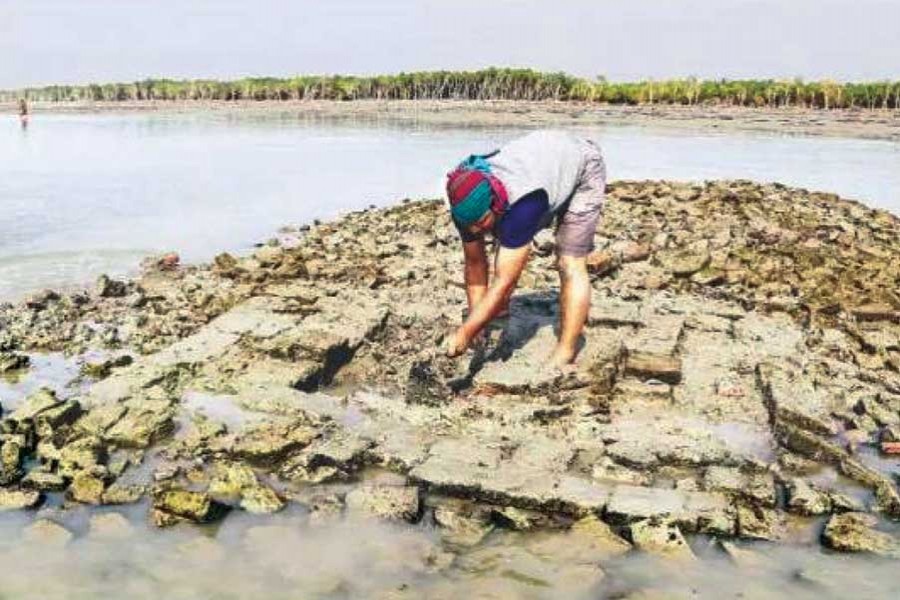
<point x="547" y="159"/>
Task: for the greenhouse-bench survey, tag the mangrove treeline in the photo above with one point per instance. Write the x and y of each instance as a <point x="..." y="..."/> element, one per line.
<point x="487" y="84"/>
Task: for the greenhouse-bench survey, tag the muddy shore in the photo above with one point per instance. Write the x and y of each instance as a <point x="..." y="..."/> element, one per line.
<point x="739" y="382"/>
<point x="863" y="124"/>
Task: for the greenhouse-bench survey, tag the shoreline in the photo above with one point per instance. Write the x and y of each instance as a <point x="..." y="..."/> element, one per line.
<point x="861" y="124"/>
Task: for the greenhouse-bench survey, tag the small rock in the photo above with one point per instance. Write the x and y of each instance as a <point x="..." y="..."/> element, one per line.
<point x="653" y="366"/>
<point x="225" y="264"/>
<point x="13" y="361"/>
<point x="400" y="503"/>
<point x="324" y="509"/>
<point x="103" y="368"/>
<point x="601" y="262"/>
<point x="122" y="494"/>
<point x="45" y="482"/>
<point x="756" y="487"/>
<point x="891" y="433"/>
<point x="41" y="300"/>
<point x="684" y="263"/>
<point x="229" y="479"/>
<point x="805" y="500"/>
<point x="661" y="538"/>
<point x="260" y="499"/>
<point x="854" y="532"/>
<point x="87" y="489"/>
<point x="35" y="403"/>
<point x="755" y="522"/>
<point x="635" y="252"/>
<point x="841" y="503"/>
<point x="10" y="462"/>
<point x="461" y="523"/>
<point x="19" y="499"/>
<point x="798" y="465"/>
<point x="269" y="443"/>
<point x="47" y="533"/>
<point x="875" y="312"/>
<point x="110" y="526"/>
<point x="110" y="288"/>
<point x="513" y="518"/>
<point x="184" y="504"/>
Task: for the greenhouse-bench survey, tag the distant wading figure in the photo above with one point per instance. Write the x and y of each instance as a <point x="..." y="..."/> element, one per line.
<point x="513" y="193"/>
<point x="23" y="112"/>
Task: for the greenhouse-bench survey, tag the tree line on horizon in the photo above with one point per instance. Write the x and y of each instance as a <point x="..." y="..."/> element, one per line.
<point x="486" y="84"/>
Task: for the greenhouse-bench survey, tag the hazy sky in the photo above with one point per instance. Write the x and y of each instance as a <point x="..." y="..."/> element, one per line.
<point x="56" y="41"/>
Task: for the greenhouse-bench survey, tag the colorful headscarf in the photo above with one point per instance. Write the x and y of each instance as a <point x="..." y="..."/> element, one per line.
<point x="473" y="190"/>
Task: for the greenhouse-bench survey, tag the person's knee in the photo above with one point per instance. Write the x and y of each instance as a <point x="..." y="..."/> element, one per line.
<point x="572" y="267"/>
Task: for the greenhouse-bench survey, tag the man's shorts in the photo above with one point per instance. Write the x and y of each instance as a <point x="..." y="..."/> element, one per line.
<point x="576" y="223"/>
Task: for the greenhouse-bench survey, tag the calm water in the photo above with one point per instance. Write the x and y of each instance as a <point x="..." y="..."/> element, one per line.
<point x="86" y="194"/>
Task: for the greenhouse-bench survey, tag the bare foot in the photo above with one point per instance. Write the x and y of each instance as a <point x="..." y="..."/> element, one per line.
<point x="563" y="360"/>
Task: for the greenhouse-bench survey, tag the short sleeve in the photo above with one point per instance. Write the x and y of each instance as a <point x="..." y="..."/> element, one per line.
<point x="523" y="220"/>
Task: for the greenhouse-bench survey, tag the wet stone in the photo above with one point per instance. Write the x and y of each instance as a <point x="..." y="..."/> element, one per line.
<point x="755" y="522"/>
<point x="661" y="538"/>
<point x="510" y="517"/>
<point x="854" y="532"/>
<point x="462" y="524"/>
<point x="34" y="404"/>
<point x="397" y="503"/>
<point x="756" y="487"/>
<point x="110" y="526"/>
<point x="588" y="540"/>
<point x="47" y="533"/>
<point x="804" y="499"/>
<point x="653" y="366"/>
<point x="101" y="369"/>
<point x="13" y="361"/>
<point x="10" y="461"/>
<point x="13" y="499"/>
<point x="123" y="494"/>
<point x="184" y="504"/>
<point x="270" y="443"/>
<point x="87" y="489"/>
<point x="260" y="499"/>
<point x="44" y="481"/>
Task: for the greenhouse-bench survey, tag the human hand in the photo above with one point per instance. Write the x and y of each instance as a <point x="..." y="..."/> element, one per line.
<point x="456" y="343"/>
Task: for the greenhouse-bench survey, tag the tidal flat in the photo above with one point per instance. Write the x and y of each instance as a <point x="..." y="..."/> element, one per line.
<point x="282" y="422"/>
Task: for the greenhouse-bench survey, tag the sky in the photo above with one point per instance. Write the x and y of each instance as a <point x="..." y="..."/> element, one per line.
<point x="82" y="41"/>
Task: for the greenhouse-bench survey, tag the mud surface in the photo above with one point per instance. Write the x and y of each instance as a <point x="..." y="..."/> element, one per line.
<point x="736" y="400"/>
<point x="865" y="124"/>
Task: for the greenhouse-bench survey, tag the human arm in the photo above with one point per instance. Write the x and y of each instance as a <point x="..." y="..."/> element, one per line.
<point x="475" y="271"/>
<point x="510" y="263"/>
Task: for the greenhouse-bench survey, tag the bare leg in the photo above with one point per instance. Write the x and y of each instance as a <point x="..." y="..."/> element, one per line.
<point x="574" y="304"/>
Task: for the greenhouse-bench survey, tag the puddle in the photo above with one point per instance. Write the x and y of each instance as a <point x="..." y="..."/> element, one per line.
<point x="55" y="371"/>
<point x="746" y="440"/>
<point x="221" y="409"/>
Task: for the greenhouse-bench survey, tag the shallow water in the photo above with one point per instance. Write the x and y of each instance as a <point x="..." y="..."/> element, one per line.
<point x="285" y="556"/>
<point x="86" y="194"/>
<point x="54" y="371"/>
